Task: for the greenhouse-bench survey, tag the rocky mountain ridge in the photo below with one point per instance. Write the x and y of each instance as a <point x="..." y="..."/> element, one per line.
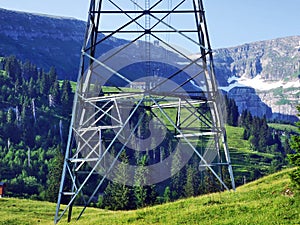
<point x="261" y="76"/>
<point x="273" y="60"/>
<point x="42" y="39"/>
<point x="271" y="68"/>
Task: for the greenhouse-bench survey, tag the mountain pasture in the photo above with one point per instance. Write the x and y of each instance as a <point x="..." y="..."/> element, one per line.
<point x="269" y="200"/>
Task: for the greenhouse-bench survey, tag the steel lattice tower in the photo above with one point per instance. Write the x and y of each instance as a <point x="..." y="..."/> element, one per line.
<point x="138" y="90"/>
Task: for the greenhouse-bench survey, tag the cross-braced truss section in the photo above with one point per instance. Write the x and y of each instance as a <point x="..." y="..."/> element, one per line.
<point x="139" y="92"/>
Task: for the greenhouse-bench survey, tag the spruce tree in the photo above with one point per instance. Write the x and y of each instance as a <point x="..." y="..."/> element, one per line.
<point x="167" y="194"/>
<point x="10" y="129"/>
<point x="32" y="92"/>
<point x="117" y="195"/>
<point x="54" y="175"/>
<point x="189" y="188"/>
<point x="45" y="84"/>
<point x="295" y="158"/>
<point x="52" y="75"/>
<point x="27" y="124"/>
<point x="66" y="97"/>
<point x="210" y="182"/>
<point x="177" y="179"/>
<point x="13" y="68"/>
<point x="232" y="113"/>
<point x="29" y="70"/>
<point x="140" y="178"/>
<point x="287" y="147"/>
<point x="55" y="93"/>
<point x="263" y="135"/>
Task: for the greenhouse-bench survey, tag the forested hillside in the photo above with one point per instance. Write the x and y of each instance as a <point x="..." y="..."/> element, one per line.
<point x="35" y="110"/>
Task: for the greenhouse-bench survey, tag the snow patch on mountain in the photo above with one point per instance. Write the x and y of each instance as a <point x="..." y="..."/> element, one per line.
<point x="258" y="83"/>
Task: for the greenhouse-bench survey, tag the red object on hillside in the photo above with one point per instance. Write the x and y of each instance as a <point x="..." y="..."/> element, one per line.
<point x="2" y="189"/>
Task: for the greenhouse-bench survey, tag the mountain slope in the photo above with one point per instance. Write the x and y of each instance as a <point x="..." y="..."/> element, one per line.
<point x="262" y="77"/>
<point x="273" y="60"/>
<point x="271" y="68"/>
<point x="270" y="200"/>
<point x="44" y="40"/>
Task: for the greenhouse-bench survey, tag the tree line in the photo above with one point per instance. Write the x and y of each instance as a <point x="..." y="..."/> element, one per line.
<point x="262" y="138"/>
<point x="190" y="181"/>
<point x="35" y="110"/>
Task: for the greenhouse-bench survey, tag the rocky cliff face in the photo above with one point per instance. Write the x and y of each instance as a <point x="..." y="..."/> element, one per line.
<point x="270" y="68"/>
<point x="42" y="39"/>
<point x="247" y="99"/>
<point x="273" y="60"/>
<point x="282" y="101"/>
<point x="46" y="40"/>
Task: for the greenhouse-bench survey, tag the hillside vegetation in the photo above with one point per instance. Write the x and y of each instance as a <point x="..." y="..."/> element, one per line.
<point x="269" y="200"/>
<point x="35" y="111"/>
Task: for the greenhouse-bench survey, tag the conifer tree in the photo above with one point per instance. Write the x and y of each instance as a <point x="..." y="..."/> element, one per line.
<point x="210" y="182"/>
<point x="32" y="88"/>
<point x="52" y="75"/>
<point x="66" y="96"/>
<point x="55" y="92"/>
<point x="232" y="111"/>
<point x="167" y="194"/>
<point x="29" y="70"/>
<point x="295" y="158"/>
<point x="10" y="130"/>
<point x="27" y="124"/>
<point x="26" y="69"/>
<point x="264" y="135"/>
<point x="140" y="178"/>
<point x="189" y="188"/>
<point x="117" y="195"/>
<point x="13" y="68"/>
<point x="45" y="84"/>
<point x="177" y="180"/>
<point x="278" y="144"/>
<point x="287" y="147"/>
<point x="54" y="175"/>
<point x="34" y="72"/>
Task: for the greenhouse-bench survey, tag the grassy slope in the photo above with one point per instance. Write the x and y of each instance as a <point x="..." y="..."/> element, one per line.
<point x="245" y="160"/>
<point x="261" y="202"/>
<point x="284" y="127"/>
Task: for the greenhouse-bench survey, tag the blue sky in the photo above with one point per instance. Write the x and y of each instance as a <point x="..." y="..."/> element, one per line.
<point x="230" y="22"/>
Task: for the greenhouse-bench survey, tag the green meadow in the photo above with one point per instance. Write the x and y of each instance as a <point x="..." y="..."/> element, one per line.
<point x="269" y="200"/>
